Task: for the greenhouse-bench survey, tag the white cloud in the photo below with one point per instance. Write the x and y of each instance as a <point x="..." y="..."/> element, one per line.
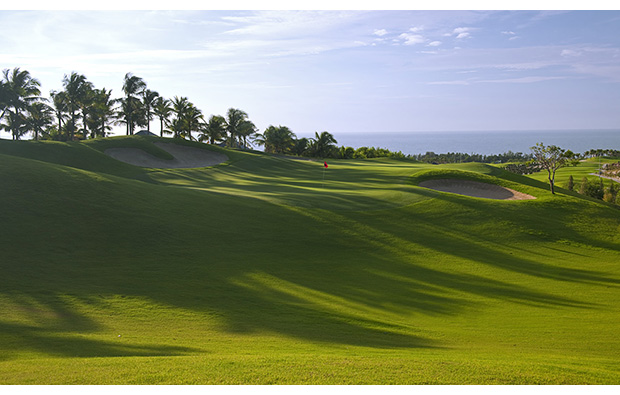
<point x="416" y="29"/>
<point x="434" y="43"/>
<point x="380" y="32"/>
<point x="275" y="24"/>
<point x="570" y="53"/>
<point x="412" y="39"/>
<point x="462" y="32"/>
<point x="512" y="35"/>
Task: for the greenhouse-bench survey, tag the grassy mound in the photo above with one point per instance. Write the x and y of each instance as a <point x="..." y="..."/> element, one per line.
<point x="268" y="270"/>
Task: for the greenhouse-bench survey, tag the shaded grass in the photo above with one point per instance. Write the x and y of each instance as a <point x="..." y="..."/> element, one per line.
<point x="248" y="272"/>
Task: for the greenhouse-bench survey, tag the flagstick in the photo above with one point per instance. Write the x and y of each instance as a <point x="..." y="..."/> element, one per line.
<point x="323" y="184"/>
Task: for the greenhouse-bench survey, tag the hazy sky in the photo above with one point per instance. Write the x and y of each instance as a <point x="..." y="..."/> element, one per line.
<point x="342" y="71"/>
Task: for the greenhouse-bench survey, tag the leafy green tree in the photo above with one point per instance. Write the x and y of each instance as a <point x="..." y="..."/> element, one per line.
<point x="323" y="145"/>
<point x="162" y="109"/>
<point x="552" y="158"/>
<point x="610" y="193"/>
<point x="277" y="140"/>
<point x="571" y="183"/>
<point x="346" y="152"/>
<point x="583" y="186"/>
<point x="300" y="146"/>
<point x="19" y="90"/>
<point x="592" y="188"/>
<point x="214" y="130"/>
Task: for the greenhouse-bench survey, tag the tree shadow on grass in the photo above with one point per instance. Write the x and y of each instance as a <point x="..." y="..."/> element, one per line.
<point x="338" y="278"/>
<point x="305" y="184"/>
<point x="536" y="224"/>
<point x="19" y="338"/>
<point x="57" y="329"/>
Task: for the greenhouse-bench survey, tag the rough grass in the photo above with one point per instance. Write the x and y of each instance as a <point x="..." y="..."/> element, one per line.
<point x="257" y="271"/>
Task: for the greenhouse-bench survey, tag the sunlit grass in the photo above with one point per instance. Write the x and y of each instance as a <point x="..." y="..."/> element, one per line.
<point x="253" y="272"/>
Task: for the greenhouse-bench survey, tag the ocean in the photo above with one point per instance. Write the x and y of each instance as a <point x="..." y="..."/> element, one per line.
<point x="484" y="143"/>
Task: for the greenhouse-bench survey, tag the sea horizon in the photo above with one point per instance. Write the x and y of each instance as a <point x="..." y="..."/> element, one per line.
<point x="483" y="142"/>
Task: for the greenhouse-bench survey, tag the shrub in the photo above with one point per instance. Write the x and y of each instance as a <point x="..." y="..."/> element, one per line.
<point x="592" y="188"/>
<point x="571" y="183"/>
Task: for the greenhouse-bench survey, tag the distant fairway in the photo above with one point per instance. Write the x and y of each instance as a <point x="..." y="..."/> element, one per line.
<point x="265" y="270"/>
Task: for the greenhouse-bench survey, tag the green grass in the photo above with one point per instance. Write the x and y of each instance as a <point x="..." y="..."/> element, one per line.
<point x="258" y="271"/>
<point x="587" y="168"/>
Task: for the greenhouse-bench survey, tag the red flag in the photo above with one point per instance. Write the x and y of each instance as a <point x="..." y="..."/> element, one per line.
<point x="325" y="164"/>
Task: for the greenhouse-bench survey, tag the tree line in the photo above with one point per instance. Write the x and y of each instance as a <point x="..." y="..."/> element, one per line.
<point x="82" y="111"/>
<point x="597" y="189"/>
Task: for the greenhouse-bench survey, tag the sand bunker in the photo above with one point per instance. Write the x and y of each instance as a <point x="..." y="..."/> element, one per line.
<point x="475" y="189"/>
<point x="184" y="157"/>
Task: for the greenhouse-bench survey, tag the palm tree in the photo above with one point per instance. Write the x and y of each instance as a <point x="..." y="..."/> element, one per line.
<point x="162" y="109"/>
<point x="4" y="98"/>
<point x="192" y="120"/>
<point x="39" y="118"/>
<point x="238" y="126"/>
<point x="86" y="106"/>
<point x="60" y="103"/>
<point x="19" y="90"/>
<point x="300" y="146"/>
<point x="102" y="112"/>
<point x="323" y="144"/>
<point x="213" y="130"/>
<point x="76" y="88"/>
<point x="278" y="140"/>
<point x="15" y="123"/>
<point x="132" y="87"/>
<point x="179" y="108"/>
<point x="149" y="99"/>
<point x="247" y="130"/>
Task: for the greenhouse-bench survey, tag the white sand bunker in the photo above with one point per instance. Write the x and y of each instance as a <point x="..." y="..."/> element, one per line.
<point x="475" y="189"/>
<point x="184" y="157"/>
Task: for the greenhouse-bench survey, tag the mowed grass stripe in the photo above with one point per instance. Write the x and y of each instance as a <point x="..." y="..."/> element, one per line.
<point x="249" y="273"/>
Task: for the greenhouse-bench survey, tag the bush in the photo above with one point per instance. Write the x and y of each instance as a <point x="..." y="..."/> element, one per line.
<point x="610" y="194"/>
<point x="592" y="188"/>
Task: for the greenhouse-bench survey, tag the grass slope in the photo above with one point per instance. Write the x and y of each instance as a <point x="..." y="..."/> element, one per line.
<point x="257" y="271"/>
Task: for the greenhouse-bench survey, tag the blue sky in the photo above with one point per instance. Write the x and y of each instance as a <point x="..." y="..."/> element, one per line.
<point x="342" y="71"/>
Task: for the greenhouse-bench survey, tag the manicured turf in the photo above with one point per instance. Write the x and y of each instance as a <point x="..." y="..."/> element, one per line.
<point x="265" y="270"/>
